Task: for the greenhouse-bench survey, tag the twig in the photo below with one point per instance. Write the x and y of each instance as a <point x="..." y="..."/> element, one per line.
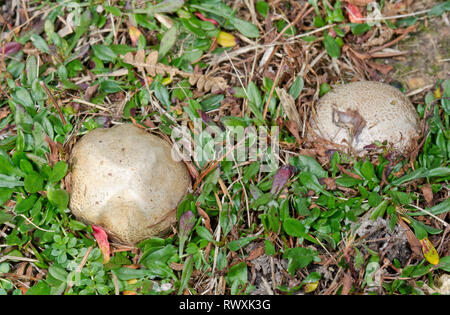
<point x="52" y="98"/>
<point x="430" y="214"/>
<point x="312" y="32"/>
<point x="275" y="82"/>
<point x="91" y="104"/>
<point x="8" y="257"/>
<point x="419" y="90"/>
<point x="392" y="17"/>
<point x="37" y="227"/>
<point x="79" y="267"/>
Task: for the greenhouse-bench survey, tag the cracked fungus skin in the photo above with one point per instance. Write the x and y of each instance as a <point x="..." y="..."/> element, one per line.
<point x="125" y="180"/>
<point x="358" y="114"/>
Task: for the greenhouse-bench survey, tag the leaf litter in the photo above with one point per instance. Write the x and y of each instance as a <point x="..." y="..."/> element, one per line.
<point x="294" y="36"/>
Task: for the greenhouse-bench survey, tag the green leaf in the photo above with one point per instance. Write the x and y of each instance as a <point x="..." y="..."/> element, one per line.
<point x="59" y="198"/>
<point x="269" y="248"/>
<point x="347" y="181"/>
<point x="400" y="197"/>
<point x="58" y="172"/>
<point x="125" y="274"/>
<point x="40" y="288"/>
<point x="254" y="95"/>
<point x="58" y="273"/>
<point x="110" y="86"/>
<point x="5" y="216"/>
<point x="368" y="171"/>
<point x="360" y="28"/>
<point x="204" y="233"/>
<point x="31" y="69"/>
<point x="246" y="28"/>
<point x="33" y="182"/>
<point x="299" y="257"/>
<point x="162" y="94"/>
<point x="308" y="164"/>
<point x="186" y="274"/>
<point x="296" y="87"/>
<point x="238" y="273"/>
<point x="440" y="208"/>
<point x="113" y="10"/>
<point x="418" y="173"/>
<point x="419" y="231"/>
<point x="262" y="200"/>
<point x="331" y="46"/>
<point x="23" y="97"/>
<point x="40" y="43"/>
<point x="262" y="7"/>
<point x="379" y="210"/>
<point x="439" y="171"/>
<point x="444" y="264"/>
<point x="104" y="53"/>
<point x="9" y="181"/>
<point x="239" y="243"/>
<point x="440" y="8"/>
<point x="310" y="181"/>
<point x="167" y="6"/>
<point x="167" y="41"/>
<point x="251" y="171"/>
<point x="294" y="227"/>
<point x="25" y="204"/>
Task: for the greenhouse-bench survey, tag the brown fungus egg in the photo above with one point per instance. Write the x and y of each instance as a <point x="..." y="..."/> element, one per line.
<point x="358" y="115"/>
<point x="125" y="180"/>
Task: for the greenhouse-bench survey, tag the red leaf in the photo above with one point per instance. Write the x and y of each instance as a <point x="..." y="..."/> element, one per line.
<point x="102" y="240"/>
<point x="281" y="177"/>
<point x="10" y="48"/>
<point x="203" y="18"/>
<point x="354" y="15"/>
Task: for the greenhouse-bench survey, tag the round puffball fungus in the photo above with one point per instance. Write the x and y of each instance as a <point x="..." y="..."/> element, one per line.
<point x="359" y="114"/>
<point x="125" y="180"/>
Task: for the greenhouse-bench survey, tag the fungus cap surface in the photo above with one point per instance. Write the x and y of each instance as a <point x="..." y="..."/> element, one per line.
<point x="125" y="180"/>
<point x="358" y="114"/>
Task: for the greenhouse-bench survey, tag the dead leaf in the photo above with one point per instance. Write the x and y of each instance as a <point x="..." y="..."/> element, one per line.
<point x="203" y="82"/>
<point x="52" y="158"/>
<point x="383" y="68"/>
<point x="348" y="281"/>
<point x="256" y="252"/>
<point x="205" y="216"/>
<point x="5" y="111"/>
<point x="176" y="266"/>
<point x="292" y="127"/>
<point x="329" y="181"/>
<point x="427" y="194"/>
<point x="359" y="2"/>
<point x="350" y="120"/>
<point x="412" y="240"/>
<point x="90" y="91"/>
<point x="288" y="103"/>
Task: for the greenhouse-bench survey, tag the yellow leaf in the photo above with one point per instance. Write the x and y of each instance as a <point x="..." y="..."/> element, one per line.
<point x="310" y="287"/>
<point x="437" y="92"/>
<point x="134" y="34"/>
<point x="166" y="81"/>
<point x="226" y="39"/>
<point x="127" y="292"/>
<point x="429" y="252"/>
<point x="132" y="281"/>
